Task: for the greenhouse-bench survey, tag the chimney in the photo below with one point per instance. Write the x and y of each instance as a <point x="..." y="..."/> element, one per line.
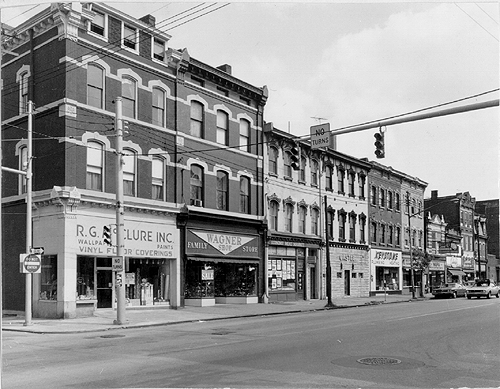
<point x="434" y="194"/>
<point x="149" y="20"/>
<point x="225" y="68"/>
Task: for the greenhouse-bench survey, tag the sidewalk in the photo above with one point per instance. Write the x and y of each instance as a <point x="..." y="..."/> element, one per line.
<point x="103" y="320"/>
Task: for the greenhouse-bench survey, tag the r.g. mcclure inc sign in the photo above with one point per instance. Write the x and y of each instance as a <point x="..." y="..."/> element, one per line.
<point x="210" y="242"/>
<point x="141" y="240"/>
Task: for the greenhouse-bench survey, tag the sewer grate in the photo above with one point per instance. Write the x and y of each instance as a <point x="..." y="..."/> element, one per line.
<point x="379" y="361"/>
<point x="112" y="336"/>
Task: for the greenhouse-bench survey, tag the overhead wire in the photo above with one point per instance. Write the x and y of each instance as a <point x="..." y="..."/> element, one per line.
<point x="475" y="21"/>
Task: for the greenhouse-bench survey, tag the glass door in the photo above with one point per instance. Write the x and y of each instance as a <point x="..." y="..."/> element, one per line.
<point x="104" y="288"/>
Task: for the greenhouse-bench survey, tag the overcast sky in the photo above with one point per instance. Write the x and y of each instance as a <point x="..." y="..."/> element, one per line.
<point x="349" y="63"/>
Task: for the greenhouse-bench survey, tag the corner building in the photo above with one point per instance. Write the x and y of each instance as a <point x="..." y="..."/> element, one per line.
<point x="192" y="165"/>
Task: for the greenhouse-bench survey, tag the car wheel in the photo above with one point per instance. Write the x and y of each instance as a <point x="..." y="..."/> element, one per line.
<point x="498" y="294"/>
<point x="488" y="296"/>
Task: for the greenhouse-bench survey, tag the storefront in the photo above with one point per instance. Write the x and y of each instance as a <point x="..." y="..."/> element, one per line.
<point x="293" y="268"/>
<point x="436" y="273"/>
<point x="77" y="268"/>
<point x="468" y="268"/>
<point x="386" y="271"/>
<point x="221" y="267"/>
<point x="350" y="270"/>
<point x="454" y="272"/>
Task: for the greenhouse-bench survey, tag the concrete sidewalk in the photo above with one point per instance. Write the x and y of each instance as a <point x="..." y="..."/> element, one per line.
<point x="103" y="319"/>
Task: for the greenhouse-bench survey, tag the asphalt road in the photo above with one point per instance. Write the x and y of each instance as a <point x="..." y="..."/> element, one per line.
<point x="425" y="344"/>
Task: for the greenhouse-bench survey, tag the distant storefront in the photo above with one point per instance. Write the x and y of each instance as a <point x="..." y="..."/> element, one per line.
<point x="436" y="271"/>
<point x="386" y="268"/>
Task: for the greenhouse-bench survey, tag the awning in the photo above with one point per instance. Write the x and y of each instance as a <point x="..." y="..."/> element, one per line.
<point x="455" y="272"/>
<point x="250" y="261"/>
<point x="468" y="270"/>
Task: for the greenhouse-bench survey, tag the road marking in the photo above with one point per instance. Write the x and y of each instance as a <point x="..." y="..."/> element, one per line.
<point x="440" y="312"/>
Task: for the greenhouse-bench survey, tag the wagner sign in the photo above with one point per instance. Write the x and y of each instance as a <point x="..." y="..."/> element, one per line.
<point x="141" y="239"/>
<point x="210" y="242"/>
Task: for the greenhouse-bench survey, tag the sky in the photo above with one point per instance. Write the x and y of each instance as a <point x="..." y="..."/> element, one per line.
<point x="350" y="63"/>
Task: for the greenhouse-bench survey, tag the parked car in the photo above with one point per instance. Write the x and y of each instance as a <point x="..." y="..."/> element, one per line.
<point x="452" y="289"/>
<point x="483" y="288"/>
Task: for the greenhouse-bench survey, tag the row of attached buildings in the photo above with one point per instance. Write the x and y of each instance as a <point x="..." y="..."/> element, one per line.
<point x="214" y="211"/>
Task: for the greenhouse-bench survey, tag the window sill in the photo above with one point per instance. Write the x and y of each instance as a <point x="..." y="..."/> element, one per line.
<point x="287" y="178"/>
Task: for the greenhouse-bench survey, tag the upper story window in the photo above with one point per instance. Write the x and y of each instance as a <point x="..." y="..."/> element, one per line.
<point x="373" y="232"/>
<point x="390" y="235"/>
<point x="158" y="179"/>
<point x="351" y="180"/>
<point x="302" y="172"/>
<point x="23" y="93"/>
<point x="330" y="215"/>
<point x="196" y="183"/>
<point x="273" y="215"/>
<point x="130" y="37"/>
<point x="222" y="127"/>
<point x="374" y="195"/>
<point x="98" y="24"/>
<point x="342" y="221"/>
<point x="341" y="176"/>
<point x="158" y="114"/>
<point x="273" y="160"/>
<point x="412" y="209"/>
<point x="362" y="229"/>
<point x="23" y="166"/>
<point x="197" y="119"/>
<point x="397" y="236"/>
<point x="390" y="200"/>
<point x="129" y="97"/>
<point x="244" y="135"/>
<point x="95" y="86"/>
<point x="129" y="172"/>
<point x="288" y="164"/>
<point x="382" y="197"/>
<point x="95" y="165"/>
<point x="329" y="178"/>
<point x="302" y="219"/>
<point x="288" y="217"/>
<point x="352" y="227"/>
<point x="314" y="221"/>
<point x="222" y="190"/>
<point x="382" y="233"/>
<point x="159" y="49"/>
<point x="314" y="172"/>
<point x="362" y="184"/>
<point x="244" y="195"/>
<point x="397" y="202"/>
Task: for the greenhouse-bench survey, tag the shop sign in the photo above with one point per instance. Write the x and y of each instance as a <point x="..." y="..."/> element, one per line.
<point x="209" y="242"/>
<point x="141" y="239"/>
<point x="454" y="262"/>
<point x="468" y="262"/>
<point x="449" y="248"/>
<point x="207" y="274"/>
<point x="285" y="243"/>
<point x="386" y="258"/>
<point x="436" y="265"/>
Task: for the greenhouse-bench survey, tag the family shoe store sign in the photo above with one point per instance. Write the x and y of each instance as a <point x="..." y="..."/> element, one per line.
<point x="209" y="242"/>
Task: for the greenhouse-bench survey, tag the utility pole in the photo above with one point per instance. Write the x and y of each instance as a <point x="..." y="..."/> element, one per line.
<point x="329" y="304"/>
<point x="29" y="209"/>
<point x="409" y="241"/>
<point x="119" y="274"/>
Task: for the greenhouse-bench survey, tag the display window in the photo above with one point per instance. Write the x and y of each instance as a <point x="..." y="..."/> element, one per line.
<point x="85" y="274"/>
<point x="282" y="274"/>
<point x="387" y="278"/>
<point x="147" y="280"/>
<point x="48" y="287"/>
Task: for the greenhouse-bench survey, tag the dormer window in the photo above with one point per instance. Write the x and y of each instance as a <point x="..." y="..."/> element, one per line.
<point x="130" y="37"/>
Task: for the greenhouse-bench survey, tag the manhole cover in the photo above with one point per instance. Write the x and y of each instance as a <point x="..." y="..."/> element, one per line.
<point x="379" y="361"/>
<point x="112" y="336"/>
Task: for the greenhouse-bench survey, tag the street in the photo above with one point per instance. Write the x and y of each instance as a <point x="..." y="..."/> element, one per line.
<point x="427" y="344"/>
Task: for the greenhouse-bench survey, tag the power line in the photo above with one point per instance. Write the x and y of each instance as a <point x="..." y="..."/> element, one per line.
<point x="475" y="21"/>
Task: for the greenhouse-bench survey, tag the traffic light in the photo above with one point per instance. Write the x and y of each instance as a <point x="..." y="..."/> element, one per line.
<point x="295" y="157"/>
<point x="106" y="234"/>
<point x="379" y="145"/>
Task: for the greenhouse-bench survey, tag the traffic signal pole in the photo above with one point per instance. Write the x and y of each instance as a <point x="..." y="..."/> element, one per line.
<point x="120" y="224"/>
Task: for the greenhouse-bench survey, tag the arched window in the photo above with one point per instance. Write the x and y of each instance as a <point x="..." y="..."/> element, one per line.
<point x="273" y="215"/>
<point x="288" y="164"/>
<point x="95" y="86"/>
<point x="196" y="119"/>
<point x="329" y="178"/>
<point x="314" y="172"/>
<point x="222" y="127"/>
<point x="129" y="172"/>
<point x="244" y="135"/>
<point x="95" y="165"/>
<point x="362" y="228"/>
<point x="244" y="195"/>
<point x="23" y="93"/>
<point x="196" y="183"/>
<point x="330" y="216"/>
<point x="222" y="190"/>
<point x="288" y="217"/>
<point x="303" y="163"/>
<point x="341" y="176"/>
<point x="342" y="222"/>
<point x="158" y="179"/>
<point x="158" y="114"/>
<point x="23" y="166"/>
<point x="273" y="160"/>
<point x="129" y="97"/>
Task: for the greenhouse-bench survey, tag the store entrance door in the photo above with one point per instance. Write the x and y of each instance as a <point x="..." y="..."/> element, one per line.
<point x="347" y="282"/>
<point x="104" y="288"/>
<point x="312" y="282"/>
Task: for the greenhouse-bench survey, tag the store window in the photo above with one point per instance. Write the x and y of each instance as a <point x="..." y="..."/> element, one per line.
<point x="387" y="278"/>
<point x="282" y="274"/>
<point x="199" y="280"/>
<point x="147" y="282"/>
<point x="85" y="273"/>
<point x="48" y="287"/>
<point x="235" y="280"/>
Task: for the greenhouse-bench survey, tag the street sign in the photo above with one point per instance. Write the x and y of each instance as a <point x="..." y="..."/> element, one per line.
<point x="37" y="250"/>
<point x="30" y="263"/>
<point x="117" y="264"/>
<point x="320" y="136"/>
